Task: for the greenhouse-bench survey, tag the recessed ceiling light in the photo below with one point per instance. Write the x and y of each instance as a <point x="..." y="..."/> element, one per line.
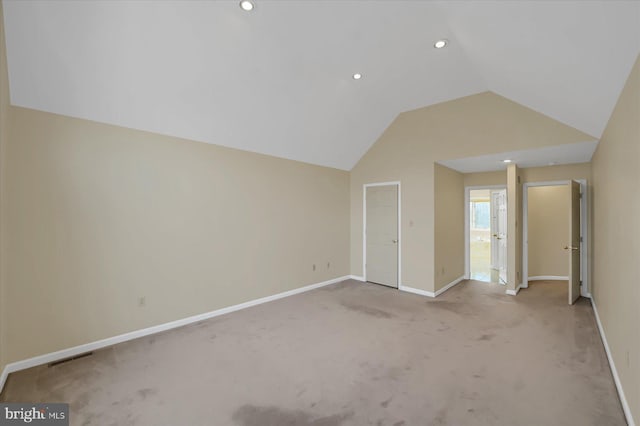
<point x="247" y="5"/>
<point x="357" y="76"/>
<point x="507" y="161"/>
<point x="441" y="43"/>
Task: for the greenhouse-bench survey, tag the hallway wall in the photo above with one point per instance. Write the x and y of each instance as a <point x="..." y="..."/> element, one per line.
<point x="616" y="292"/>
<point x="548" y="230"/>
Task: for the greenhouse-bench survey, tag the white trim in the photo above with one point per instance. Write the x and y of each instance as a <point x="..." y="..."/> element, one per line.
<point x="467" y="232"/>
<point x="356" y="277"/>
<point x="585" y="290"/>
<point x="364" y="228"/>
<point x="549" y="183"/>
<point x="514" y="292"/>
<point x="110" y="341"/>
<point x="3" y="377"/>
<point x="393" y="182"/>
<point x="548" y="278"/>
<point x="475" y="187"/>
<point x="584" y="232"/>
<point x="417" y="291"/>
<point x="448" y="286"/>
<point x="614" y="371"/>
<point x="430" y="293"/>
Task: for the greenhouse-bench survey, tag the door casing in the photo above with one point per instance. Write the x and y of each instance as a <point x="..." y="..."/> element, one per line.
<point x="573" y="246"/>
<point x="498" y="248"/>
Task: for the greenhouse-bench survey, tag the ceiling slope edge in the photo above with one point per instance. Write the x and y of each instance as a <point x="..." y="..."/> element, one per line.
<point x="487" y="109"/>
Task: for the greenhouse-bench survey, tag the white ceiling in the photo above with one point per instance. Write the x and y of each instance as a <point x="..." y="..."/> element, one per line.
<point x="540" y="157"/>
<point x="278" y="80"/>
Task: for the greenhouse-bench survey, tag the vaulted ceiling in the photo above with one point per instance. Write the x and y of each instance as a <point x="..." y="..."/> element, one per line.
<point x="278" y="80"/>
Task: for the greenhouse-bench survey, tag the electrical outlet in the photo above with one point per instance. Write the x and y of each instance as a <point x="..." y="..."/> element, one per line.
<point x="328" y="265"/>
<point x="442" y="270"/>
<point x="142" y="301"/>
<point x="314" y="267"/>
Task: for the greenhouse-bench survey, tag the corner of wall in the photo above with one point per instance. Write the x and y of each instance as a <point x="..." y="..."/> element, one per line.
<point x="448" y="227"/>
<point x="4" y="110"/>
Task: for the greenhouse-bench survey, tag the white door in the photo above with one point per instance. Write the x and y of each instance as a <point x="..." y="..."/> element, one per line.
<point x="499" y="233"/>
<point x="574" y="243"/>
<point x="382" y="235"/>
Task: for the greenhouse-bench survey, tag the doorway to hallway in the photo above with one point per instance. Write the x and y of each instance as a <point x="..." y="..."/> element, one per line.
<point x="486" y="226"/>
<point x="555" y="235"/>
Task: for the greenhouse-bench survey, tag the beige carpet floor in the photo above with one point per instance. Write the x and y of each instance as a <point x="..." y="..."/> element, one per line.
<point x="352" y="354"/>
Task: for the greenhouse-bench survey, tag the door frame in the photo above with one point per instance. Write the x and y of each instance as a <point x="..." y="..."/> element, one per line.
<point x="364" y="228"/>
<point x="585" y="289"/>
<point x="467" y="225"/>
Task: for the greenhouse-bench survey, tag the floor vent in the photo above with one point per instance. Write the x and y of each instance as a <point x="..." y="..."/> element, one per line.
<point x="62" y="361"/>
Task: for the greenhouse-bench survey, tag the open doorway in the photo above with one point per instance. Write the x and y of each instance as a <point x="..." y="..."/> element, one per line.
<point x="486" y="226"/>
<point x="555" y="224"/>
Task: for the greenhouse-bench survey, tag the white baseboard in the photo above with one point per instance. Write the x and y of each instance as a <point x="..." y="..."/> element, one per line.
<point x="110" y="341"/>
<point x="448" y="286"/>
<point x="3" y="378"/>
<point x="614" y="372"/>
<point x="430" y="293"/>
<point x="548" y="278"/>
<point x="514" y="292"/>
<point x="356" y="277"/>
<point x="416" y="291"/>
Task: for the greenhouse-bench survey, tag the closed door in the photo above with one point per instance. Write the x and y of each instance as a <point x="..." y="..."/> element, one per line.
<point x="574" y="243"/>
<point x="382" y="235"/>
<point x="499" y="233"/>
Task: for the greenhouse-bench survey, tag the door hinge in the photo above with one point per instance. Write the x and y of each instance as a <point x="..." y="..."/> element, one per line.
<point x="580" y="283"/>
<point x="580" y="239"/>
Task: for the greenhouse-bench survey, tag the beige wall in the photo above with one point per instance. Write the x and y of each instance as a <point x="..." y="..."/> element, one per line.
<point x="532" y="174"/>
<point x="4" y="111"/>
<point x="555" y="173"/>
<point x="475" y="125"/>
<point x="100" y="216"/>
<point x="616" y="174"/>
<point x="485" y="178"/>
<point x="548" y="230"/>
<point x="448" y="232"/>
